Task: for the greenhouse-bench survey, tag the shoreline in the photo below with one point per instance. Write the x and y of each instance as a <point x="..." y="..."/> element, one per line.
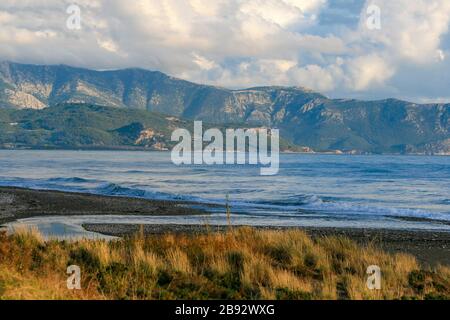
<point x="18" y="203"/>
<point x="142" y="149"/>
<point x="429" y="247"/>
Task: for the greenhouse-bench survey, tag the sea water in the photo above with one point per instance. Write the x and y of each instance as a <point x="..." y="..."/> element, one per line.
<point x="371" y="191"/>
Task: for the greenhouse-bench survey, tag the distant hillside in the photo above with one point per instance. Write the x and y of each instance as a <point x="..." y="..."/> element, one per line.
<point x="304" y="117"/>
<point x="79" y="126"/>
<point x="73" y="126"/>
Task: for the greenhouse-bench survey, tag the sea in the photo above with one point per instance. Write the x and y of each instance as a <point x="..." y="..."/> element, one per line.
<point x="315" y="190"/>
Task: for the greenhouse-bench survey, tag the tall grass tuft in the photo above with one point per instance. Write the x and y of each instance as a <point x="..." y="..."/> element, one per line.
<point x="241" y="263"/>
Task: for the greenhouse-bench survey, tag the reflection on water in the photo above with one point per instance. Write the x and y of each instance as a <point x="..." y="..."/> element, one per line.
<point x="50" y="228"/>
<point x="63" y="227"/>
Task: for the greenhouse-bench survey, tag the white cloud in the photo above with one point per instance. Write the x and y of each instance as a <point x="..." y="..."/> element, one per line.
<point x="367" y="71"/>
<point x="311" y="6"/>
<point x="411" y="29"/>
<point x="240" y="43"/>
<point x="204" y="63"/>
<point x="314" y="76"/>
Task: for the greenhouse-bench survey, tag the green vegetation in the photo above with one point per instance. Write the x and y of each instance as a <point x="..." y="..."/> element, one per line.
<point x="73" y="126"/>
<point x="242" y="263"/>
<point x="77" y="126"/>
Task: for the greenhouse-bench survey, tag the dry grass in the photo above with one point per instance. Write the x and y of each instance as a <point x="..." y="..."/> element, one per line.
<point x="241" y="263"/>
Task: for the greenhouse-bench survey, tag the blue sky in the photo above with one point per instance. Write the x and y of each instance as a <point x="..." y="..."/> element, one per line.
<point x="324" y="45"/>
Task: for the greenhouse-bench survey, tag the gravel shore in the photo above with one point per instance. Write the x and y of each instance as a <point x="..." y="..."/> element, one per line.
<point x="17" y="203"/>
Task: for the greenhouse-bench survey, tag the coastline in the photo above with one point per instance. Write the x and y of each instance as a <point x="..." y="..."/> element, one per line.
<point x="145" y="149"/>
<point x="429" y="247"/>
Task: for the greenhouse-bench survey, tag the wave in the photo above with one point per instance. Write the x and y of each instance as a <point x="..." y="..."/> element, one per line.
<point x="297" y="200"/>
<point x="375" y="170"/>
<point x="348" y="208"/>
<point x="113" y="189"/>
<point x="296" y="205"/>
<point x="72" y="180"/>
<point x="316" y="204"/>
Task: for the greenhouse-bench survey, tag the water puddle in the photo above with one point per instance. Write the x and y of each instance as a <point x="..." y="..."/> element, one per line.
<point x="71" y="227"/>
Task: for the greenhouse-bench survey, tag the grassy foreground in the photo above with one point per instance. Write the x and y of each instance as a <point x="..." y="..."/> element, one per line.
<point x="242" y="263"/>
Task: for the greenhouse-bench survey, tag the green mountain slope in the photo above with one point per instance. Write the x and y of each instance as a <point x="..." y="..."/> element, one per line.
<point x="91" y="126"/>
<point x="86" y="126"/>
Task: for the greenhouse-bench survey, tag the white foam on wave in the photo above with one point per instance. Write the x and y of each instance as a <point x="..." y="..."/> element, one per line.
<point x="291" y="206"/>
<point x="343" y="207"/>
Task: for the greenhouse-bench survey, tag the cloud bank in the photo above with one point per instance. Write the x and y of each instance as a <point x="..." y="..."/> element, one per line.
<point x="327" y="46"/>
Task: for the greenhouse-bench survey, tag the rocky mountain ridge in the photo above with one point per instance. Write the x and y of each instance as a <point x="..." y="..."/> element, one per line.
<point x="304" y="117"/>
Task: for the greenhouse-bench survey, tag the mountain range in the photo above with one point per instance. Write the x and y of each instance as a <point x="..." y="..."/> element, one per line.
<point x="304" y="117"/>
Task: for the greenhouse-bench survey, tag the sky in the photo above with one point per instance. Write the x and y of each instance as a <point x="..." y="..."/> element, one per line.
<point x="365" y="49"/>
